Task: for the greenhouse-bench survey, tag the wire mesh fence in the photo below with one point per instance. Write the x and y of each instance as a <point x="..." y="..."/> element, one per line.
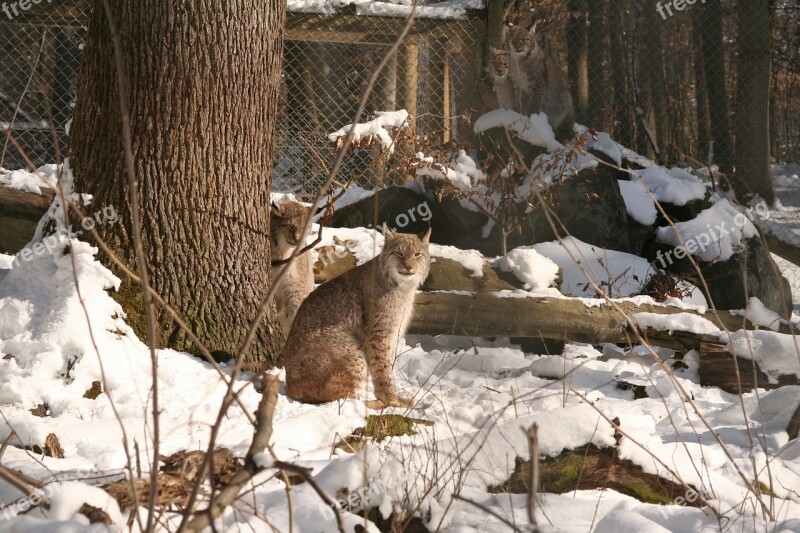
<point x="660" y="76"/>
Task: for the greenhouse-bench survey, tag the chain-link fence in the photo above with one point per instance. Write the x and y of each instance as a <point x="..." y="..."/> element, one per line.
<point x="661" y="76"/>
<point x="328" y="60"/>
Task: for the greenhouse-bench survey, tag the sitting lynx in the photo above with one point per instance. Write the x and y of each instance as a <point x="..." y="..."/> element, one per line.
<point x="286" y="225"/>
<point x="350" y="326"/>
<point x="539" y="85"/>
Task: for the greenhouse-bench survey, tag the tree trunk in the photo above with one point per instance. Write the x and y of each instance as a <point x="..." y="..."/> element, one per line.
<point x="596" y="68"/>
<point x="203" y="85"/>
<point x="651" y="65"/>
<point x="714" y="60"/>
<point x="624" y="120"/>
<point x="577" y="58"/>
<point x="752" y="102"/>
<point x="701" y="88"/>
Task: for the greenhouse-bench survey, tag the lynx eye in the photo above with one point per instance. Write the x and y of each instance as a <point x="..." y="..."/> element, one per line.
<point x="398" y="254"/>
<point x="417" y="255"/>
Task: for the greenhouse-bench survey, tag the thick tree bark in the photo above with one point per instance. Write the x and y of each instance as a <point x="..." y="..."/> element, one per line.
<point x="203" y="85"/>
<point x="714" y="61"/>
<point x="752" y="102"/>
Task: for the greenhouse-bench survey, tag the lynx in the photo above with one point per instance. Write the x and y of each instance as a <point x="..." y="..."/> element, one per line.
<point x="539" y="85"/>
<point x="503" y="86"/>
<point x="286" y="226"/>
<point x="349" y="326"/>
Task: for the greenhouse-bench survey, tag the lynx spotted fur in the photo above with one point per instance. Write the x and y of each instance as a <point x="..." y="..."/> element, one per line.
<point x="349" y="327"/>
<point x="286" y="226"/>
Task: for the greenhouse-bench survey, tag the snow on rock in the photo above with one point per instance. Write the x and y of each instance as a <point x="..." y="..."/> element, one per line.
<point x="759" y="314"/>
<point x="776" y="353"/>
<point x="617" y="274"/>
<point x="674" y="186"/>
<point x="606" y="145"/>
<point x="23" y="180"/>
<point x="472" y="260"/>
<point x="534" y="130"/>
<point x="638" y="203"/>
<point x="351" y="196"/>
<point x="463" y="173"/>
<point x="715" y="234"/>
<point x="531" y="268"/>
<point x="675" y="322"/>
<point x="375" y="128"/>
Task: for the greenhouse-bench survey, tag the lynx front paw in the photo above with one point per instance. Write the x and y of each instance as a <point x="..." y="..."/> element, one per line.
<point x="394" y="401"/>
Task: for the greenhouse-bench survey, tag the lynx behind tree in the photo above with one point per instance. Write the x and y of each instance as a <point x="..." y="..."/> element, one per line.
<point x="349" y="327"/>
<point x="286" y="226"/>
<point x="538" y="83"/>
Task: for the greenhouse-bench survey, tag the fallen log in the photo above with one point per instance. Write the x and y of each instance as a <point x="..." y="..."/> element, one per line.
<point x="489" y="315"/>
<point x="20" y="212"/>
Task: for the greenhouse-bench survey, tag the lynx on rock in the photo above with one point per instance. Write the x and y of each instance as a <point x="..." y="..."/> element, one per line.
<point x="539" y="85"/>
<point x="286" y="226"/>
<point x="349" y="327"/>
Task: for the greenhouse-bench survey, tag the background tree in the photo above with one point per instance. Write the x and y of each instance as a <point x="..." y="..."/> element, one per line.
<point x="752" y="101"/>
<point x="203" y="86"/>
<point x="578" y="57"/>
<point x="714" y="62"/>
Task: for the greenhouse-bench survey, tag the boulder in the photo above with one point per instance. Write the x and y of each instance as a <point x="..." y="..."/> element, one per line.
<point x="399" y="208"/>
<point x="731" y="283"/>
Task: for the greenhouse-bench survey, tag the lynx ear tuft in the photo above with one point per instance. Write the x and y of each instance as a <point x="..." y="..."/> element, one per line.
<point x="387" y="231"/>
<point x="426" y="237"/>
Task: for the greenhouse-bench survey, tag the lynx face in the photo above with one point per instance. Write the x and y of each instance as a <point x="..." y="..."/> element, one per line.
<point x="286" y="223"/>
<point x="499" y="62"/>
<point x="406" y="256"/>
<point x="521" y="40"/>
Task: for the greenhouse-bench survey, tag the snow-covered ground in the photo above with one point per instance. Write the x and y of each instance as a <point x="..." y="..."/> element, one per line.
<point x="478" y="394"/>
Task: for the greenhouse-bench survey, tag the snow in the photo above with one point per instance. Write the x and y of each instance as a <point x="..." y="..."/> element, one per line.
<point x="463" y="173"/>
<point x="606" y="145"/>
<point x="451" y="9"/>
<point x="776" y="353"/>
<point x="759" y="314"/>
<point x="674" y="186"/>
<point x="638" y="203"/>
<point x="23" y="180"/>
<point x="715" y="234"/>
<point x="534" y="270"/>
<point x="675" y="322"/>
<point x="534" y="130"/>
<point x="472" y="260"/>
<point x="375" y="128"/>
<point x="478" y="393"/>
<point x="618" y="274"/>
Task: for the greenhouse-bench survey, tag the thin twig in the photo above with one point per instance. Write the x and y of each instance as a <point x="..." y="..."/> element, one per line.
<point x="228" y="495"/>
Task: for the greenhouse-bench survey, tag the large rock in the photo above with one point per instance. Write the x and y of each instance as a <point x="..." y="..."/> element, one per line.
<point x="398" y="207"/>
<point x="731" y="283"/>
<point x="589" y="206"/>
